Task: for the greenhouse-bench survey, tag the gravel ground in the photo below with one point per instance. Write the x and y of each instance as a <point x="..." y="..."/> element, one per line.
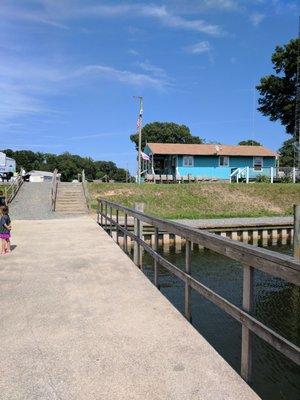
<point x="33" y="202"/>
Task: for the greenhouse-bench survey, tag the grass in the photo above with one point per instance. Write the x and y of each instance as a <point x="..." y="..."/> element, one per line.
<point x="203" y="200"/>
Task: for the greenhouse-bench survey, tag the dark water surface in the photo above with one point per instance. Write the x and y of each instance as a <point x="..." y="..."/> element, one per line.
<point x="276" y="304"/>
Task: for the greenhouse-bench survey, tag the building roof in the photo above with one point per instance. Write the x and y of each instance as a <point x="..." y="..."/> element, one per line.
<point x="41" y="173"/>
<point x="209" y="150"/>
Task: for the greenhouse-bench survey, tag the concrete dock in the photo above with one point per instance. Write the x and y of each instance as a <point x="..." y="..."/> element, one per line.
<point x="80" y="321"/>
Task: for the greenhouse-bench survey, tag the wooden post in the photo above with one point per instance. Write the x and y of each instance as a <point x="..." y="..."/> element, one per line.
<point x="246" y="357"/>
<point x="247" y="174"/>
<point x="101" y="210"/>
<point x="98" y="211"/>
<point x="187" y="291"/>
<point x="110" y="214"/>
<point x="294" y="174"/>
<point x="297" y="232"/>
<point x="156" y="233"/>
<point x="125" y="243"/>
<point x="117" y="228"/>
<point x="106" y="216"/>
<point x="138" y="231"/>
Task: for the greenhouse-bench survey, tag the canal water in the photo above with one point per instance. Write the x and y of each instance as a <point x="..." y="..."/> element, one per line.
<point x="276" y="303"/>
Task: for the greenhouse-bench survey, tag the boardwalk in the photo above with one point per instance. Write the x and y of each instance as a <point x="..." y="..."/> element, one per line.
<point x="80" y="321"/>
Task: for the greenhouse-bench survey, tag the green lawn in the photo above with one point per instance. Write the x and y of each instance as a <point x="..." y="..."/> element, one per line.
<point x="203" y="200"/>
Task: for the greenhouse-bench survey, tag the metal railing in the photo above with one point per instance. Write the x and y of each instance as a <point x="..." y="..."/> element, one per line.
<point x="250" y="257"/>
<point x="54" y="186"/>
<point x="12" y="189"/>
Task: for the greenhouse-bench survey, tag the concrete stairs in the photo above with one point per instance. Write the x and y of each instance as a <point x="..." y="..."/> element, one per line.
<point x="70" y="198"/>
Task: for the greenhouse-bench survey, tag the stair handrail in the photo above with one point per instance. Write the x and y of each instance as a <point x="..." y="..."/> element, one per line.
<point x="239" y="172"/>
<point x="54" y="185"/>
<point x="85" y="189"/>
<point x="13" y="188"/>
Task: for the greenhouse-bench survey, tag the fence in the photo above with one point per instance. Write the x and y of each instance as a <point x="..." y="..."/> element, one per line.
<point x="12" y="189"/>
<point x="251" y="257"/>
<point x="55" y="180"/>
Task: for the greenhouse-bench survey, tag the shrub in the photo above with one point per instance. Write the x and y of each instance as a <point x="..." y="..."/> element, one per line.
<point x="262" y="179"/>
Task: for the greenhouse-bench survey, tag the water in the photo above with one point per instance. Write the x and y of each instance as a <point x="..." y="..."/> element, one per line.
<point x="276" y="303"/>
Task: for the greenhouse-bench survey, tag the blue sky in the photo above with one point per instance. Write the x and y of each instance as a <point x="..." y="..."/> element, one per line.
<point x="69" y="70"/>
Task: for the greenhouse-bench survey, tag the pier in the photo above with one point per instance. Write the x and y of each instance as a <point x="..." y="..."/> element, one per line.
<point x="80" y="321"/>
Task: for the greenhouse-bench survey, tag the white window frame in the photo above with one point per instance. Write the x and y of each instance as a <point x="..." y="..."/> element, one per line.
<point x="261" y="164"/>
<point x="225" y="158"/>
<point x="188" y="161"/>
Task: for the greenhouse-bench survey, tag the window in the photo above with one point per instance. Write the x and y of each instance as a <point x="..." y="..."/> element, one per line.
<point x="188" y="161"/>
<point x="224" y="161"/>
<point x="257" y="163"/>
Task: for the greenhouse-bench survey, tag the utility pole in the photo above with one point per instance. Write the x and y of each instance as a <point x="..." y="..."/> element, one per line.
<point x="297" y="109"/>
<point x="139" y="126"/>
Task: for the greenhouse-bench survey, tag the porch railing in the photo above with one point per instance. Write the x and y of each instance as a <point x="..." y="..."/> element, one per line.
<point x="250" y="257"/>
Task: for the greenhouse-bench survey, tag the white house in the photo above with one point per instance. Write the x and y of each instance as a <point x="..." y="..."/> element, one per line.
<point x="41" y="176"/>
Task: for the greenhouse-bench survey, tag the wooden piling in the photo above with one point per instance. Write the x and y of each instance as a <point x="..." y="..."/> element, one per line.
<point x="187" y="291"/>
<point x="246" y="356"/>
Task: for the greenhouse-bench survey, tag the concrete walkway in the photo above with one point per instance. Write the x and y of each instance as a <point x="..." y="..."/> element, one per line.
<point x="33" y="202"/>
<point x="80" y="322"/>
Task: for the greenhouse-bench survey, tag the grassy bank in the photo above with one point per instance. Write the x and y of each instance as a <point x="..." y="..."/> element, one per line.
<point x="207" y="200"/>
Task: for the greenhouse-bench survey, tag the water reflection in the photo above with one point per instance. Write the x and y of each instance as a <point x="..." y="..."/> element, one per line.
<point x="276" y="303"/>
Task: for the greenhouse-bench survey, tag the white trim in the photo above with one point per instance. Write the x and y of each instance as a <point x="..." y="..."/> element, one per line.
<point x="189" y="165"/>
<point x="262" y="164"/>
<point x="225" y="157"/>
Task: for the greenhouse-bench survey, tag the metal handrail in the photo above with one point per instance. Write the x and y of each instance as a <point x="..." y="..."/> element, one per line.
<point x="275" y="264"/>
<point x="54" y="186"/>
<point x="13" y="188"/>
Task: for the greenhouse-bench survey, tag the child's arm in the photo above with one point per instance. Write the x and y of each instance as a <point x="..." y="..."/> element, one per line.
<point x="7" y="227"/>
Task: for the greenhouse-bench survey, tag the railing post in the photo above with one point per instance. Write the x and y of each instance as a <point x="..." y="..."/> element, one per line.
<point x="247" y="174"/>
<point x="98" y="211"/>
<point x="110" y="215"/>
<point x="156" y="234"/>
<point x="105" y="216"/>
<point x="138" y="228"/>
<point x="246" y="356"/>
<point x="272" y="174"/>
<point x="101" y="210"/>
<point x="297" y="232"/>
<point x="125" y="242"/>
<point x="187" y="291"/>
<point x="117" y="228"/>
<point x="294" y="174"/>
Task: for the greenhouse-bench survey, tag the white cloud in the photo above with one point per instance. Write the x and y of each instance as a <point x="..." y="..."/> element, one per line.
<point x="133" y="52"/>
<point x="256" y="18"/>
<point x="199" y="48"/>
<point x="56" y="13"/>
<point x="28" y="93"/>
<point x="153" y="69"/>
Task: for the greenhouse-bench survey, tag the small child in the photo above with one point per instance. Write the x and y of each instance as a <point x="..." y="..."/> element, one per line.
<point x="5" y="228"/>
<point x="2" y="199"/>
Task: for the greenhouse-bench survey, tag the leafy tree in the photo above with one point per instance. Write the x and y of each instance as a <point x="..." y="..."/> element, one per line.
<point x="278" y="91"/>
<point x="165" y="132"/>
<point x="249" y="142"/>
<point x="69" y="165"/>
<point x="286" y="158"/>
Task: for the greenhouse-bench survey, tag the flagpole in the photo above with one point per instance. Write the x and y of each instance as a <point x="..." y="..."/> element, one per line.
<point x="140" y="137"/>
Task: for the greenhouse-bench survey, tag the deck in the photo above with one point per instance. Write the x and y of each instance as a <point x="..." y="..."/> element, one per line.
<point x="80" y="321"/>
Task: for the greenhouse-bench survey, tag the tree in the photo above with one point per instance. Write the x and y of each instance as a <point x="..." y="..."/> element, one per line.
<point x="278" y="91"/>
<point x="286" y="158"/>
<point x="249" y="142"/>
<point x="165" y="132"/>
<point x="69" y="165"/>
